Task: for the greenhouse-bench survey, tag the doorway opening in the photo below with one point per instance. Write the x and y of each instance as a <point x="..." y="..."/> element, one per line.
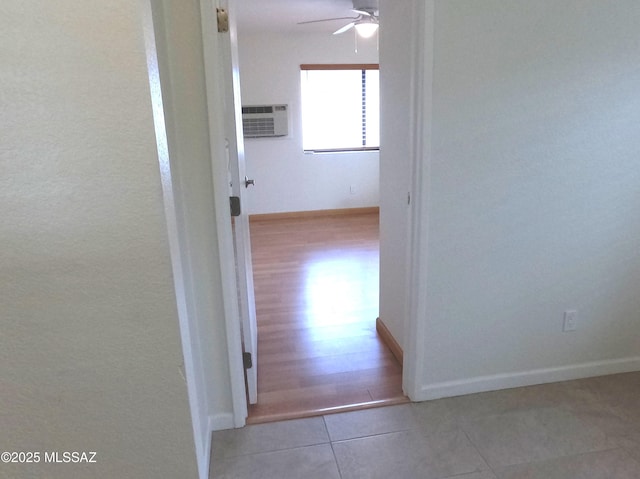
<point x="302" y="307"/>
<point x="316" y="282"/>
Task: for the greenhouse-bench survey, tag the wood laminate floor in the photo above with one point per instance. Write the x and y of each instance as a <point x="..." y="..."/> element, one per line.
<point x="316" y="286"/>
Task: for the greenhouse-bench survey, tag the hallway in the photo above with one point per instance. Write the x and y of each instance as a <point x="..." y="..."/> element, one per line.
<point x="316" y="287"/>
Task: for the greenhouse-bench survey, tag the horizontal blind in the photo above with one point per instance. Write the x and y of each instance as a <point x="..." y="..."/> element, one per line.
<point x="342" y="66"/>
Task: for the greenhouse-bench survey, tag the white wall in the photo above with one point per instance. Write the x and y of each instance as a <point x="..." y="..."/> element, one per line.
<point x="90" y="346"/>
<point x="395" y="161"/>
<point x="286" y="178"/>
<point x="533" y="194"/>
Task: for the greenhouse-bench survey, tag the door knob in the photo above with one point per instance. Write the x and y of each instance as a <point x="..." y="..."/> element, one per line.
<point x="248" y="182"/>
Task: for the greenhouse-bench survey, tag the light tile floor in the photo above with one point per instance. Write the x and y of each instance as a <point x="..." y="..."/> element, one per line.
<point x="584" y="429"/>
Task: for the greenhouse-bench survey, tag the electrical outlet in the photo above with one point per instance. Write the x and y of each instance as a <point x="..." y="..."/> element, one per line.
<point x="352" y="189"/>
<point x="570" y="322"/>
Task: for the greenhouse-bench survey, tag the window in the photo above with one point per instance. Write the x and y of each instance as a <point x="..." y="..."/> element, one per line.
<point x="340" y="107"/>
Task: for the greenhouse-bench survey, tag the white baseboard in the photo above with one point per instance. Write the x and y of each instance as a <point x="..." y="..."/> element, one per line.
<point x="527" y="378"/>
<point x="218" y="422"/>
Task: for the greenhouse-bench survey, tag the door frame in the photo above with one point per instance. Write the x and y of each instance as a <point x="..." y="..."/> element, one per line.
<point x="420" y="127"/>
<point x="236" y="168"/>
<point x="215" y="84"/>
<point x="171" y="149"/>
<point x="421" y="72"/>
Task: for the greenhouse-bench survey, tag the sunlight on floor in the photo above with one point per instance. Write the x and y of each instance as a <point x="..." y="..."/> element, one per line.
<point x="337" y="285"/>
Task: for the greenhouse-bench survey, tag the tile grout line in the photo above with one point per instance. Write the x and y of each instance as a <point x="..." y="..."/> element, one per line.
<point x="243" y="454"/>
<point x="628" y="454"/>
<point x="326" y="428"/>
<point x="535" y="461"/>
<point x="333" y="451"/>
<point x="547" y="460"/>
<point x="412" y="427"/>
<point x="570" y="456"/>
<point x="376" y="434"/>
<point x="477" y="450"/>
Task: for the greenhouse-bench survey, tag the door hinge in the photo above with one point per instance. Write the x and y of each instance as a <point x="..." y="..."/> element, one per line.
<point x="234" y="202"/>
<point x="223" y="20"/>
<point x="247" y="360"/>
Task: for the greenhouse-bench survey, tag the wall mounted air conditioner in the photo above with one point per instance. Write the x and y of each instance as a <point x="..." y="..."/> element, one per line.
<point x="265" y="121"/>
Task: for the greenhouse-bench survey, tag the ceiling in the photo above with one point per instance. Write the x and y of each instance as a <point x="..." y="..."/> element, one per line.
<point x="283" y="15"/>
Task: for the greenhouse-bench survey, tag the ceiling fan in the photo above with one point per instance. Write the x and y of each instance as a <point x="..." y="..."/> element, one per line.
<point x="366" y="23"/>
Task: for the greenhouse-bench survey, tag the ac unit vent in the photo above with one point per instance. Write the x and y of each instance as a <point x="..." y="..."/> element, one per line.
<point x="257" y="109"/>
<point x="265" y="121"/>
<point x="254" y="127"/>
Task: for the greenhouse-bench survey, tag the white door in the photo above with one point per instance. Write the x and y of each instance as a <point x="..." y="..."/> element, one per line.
<point x="239" y="187"/>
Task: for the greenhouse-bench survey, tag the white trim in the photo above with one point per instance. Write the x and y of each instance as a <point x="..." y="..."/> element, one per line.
<point x="420" y="141"/>
<point x="527" y="378"/>
<point x="215" y="108"/>
<point x="219" y="422"/>
<point x="191" y="354"/>
<point x="206" y="461"/>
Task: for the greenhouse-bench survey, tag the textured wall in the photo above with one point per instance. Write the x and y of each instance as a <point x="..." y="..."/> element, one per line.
<point x="89" y="343"/>
<point x="533" y="196"/>
<point x="286" y="178"/>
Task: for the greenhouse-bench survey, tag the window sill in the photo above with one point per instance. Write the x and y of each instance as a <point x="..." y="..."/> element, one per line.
<point x="340" y="150"/>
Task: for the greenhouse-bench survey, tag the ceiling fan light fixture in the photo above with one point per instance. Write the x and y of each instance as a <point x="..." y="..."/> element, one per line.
<point x="366" y="29"/>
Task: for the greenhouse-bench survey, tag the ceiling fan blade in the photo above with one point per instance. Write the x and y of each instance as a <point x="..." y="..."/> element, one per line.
<point x="362" y="12"/>
<point x="348" y="26"/>
<point x="328" y="20"/>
